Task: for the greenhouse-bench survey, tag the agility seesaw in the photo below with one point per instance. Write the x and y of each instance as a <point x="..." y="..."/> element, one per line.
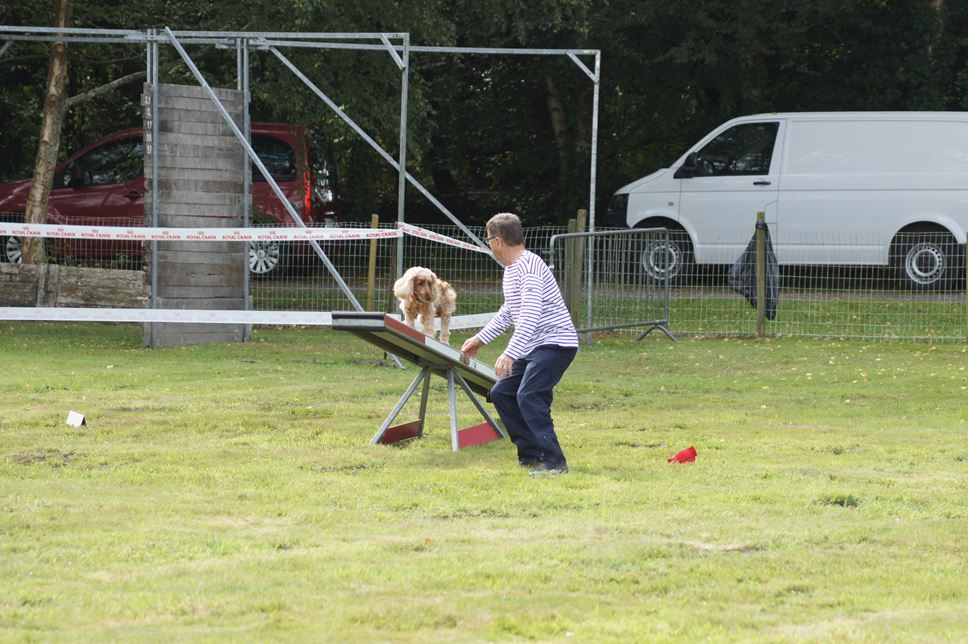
<point x="433" y="357"/>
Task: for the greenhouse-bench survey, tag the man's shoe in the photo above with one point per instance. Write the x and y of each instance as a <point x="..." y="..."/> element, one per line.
<point x="528" y="462"/>
<point x="549" y="469"/>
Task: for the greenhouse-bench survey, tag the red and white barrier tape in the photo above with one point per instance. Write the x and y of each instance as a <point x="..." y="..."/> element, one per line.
<point x="198" y="316"/>
<point x="423" y="233"/>
<point x="309" y="318"/>
<point x="133" y="233"/>
<point x="191" y="234"/>
<point x="191" y="316"/>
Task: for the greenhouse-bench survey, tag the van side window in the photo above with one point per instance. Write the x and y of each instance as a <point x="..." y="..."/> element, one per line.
<point x="277" y="156"/>
<point x="742" y="149"/>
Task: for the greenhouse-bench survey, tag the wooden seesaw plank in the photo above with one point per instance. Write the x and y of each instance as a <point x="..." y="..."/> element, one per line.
<point x="393" y="336"/>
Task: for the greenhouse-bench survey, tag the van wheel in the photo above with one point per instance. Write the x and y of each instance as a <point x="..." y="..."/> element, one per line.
<point x="668" y="258"/>
<point x="266" y="258"/>
<point x="926" y="261"/>
<point x="10" y="250"/>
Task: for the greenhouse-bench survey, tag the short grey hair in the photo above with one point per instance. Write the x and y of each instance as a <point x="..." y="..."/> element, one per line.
<point x="508" y="227"/>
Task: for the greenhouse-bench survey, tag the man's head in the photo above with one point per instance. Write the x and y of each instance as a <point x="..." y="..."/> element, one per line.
<point x="508" y="227"/>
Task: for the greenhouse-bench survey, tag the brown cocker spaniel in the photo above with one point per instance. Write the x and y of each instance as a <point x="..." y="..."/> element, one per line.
<point x="422" y="294"/>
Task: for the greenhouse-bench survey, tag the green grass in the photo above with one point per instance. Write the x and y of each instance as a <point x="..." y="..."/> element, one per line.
<point x="876" y="315"/>
<point x="230" y="493"/>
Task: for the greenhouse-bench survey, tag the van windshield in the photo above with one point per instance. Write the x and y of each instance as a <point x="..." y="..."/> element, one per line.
<point x="741" y="150"/>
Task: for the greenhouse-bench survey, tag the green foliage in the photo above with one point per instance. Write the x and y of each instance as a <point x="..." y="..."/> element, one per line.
<point x="480" y="134"/>
<point x="229" y="492"/>
<point x="677" y="69"/>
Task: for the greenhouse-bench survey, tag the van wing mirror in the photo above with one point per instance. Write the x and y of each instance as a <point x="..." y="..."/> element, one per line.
<point x="688" y="168"/>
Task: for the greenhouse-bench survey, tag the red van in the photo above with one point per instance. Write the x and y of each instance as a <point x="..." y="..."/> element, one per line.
<point x="104" y="185"/>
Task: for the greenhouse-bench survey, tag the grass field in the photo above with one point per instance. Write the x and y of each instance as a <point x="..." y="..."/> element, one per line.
<point x="230" y="493"/>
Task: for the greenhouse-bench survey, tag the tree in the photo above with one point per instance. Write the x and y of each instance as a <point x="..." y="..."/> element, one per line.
<point x="49" y="142"/>
<point x="511" y="132"/>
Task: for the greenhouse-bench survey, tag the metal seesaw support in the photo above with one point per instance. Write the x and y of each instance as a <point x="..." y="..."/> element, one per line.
<point x="433" y="357"/>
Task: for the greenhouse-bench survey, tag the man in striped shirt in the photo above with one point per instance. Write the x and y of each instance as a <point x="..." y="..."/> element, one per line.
<point x="542" y="346"/>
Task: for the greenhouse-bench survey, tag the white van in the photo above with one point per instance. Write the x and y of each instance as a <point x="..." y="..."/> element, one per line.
<point x="836" y="187"/>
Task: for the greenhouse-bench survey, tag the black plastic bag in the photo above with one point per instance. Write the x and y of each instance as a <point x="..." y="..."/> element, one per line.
<point x="742" y="274"/>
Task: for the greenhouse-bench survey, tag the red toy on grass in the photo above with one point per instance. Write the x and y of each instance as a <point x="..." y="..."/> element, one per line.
<point x="687" y="455"/>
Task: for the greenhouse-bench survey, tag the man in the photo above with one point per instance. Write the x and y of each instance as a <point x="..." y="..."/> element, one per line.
<point x="542" y="346"/>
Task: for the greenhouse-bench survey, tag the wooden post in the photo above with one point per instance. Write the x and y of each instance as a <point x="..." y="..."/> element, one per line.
<point x="391" y="302"/>
<point x="760" y="274"/>
<point x="568" y="275"/>
<point x="371" y="269"/>
<point x="581" y="223"/>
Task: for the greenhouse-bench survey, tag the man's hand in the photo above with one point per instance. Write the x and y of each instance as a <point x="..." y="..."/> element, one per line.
<point x="503" y="366"/>
<point x="471" y="346"/>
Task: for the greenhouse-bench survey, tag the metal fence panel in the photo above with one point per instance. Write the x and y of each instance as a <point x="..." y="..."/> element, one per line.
<point x="624" y="294"/>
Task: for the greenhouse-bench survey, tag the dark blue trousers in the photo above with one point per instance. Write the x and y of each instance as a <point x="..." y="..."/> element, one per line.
<point x="523" y="401"/>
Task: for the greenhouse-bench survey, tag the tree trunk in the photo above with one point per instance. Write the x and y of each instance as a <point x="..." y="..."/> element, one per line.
<point x="938" y="6"/>
<point x="750" y="59"/>
<point x="556" y="114"/>
<point x="47" y="146"/>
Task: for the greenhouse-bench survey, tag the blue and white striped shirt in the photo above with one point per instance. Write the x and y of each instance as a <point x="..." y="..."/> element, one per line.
<point x="533" y="304"/>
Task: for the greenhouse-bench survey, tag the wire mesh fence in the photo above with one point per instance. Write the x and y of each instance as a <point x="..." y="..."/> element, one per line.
<point x="624" y="296"/>
<point x="916" y="291"/>
<point x="89" y="251"/>
<point x="632" y="269"/>
<point x="304" y="283"/>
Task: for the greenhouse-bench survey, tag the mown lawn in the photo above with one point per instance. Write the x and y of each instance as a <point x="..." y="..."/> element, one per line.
<point x="231" y="493"/>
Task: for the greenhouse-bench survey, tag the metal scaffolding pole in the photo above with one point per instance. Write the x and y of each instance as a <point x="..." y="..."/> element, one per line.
<point x="152" y="149"/>
<point x="242" y="40"/>
<point x="402" y="175"/>
<point x="262" y="168"/>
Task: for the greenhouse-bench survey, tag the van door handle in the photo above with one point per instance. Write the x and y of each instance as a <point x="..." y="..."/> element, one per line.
<point x="761" y="183"/>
